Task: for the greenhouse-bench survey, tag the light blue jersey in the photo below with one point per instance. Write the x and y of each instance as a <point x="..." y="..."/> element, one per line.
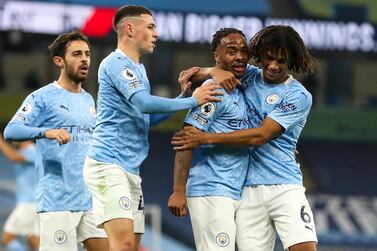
<point x="222" y="169"/>
<point x="60" y="182"/>
<point x="25" y="175"/>
<point x="288" y="104"/>
<point x="121" y="132"/>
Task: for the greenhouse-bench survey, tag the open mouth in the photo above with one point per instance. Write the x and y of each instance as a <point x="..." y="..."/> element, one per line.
<point x="239" y="68"/>
<point x="84" y="69"/>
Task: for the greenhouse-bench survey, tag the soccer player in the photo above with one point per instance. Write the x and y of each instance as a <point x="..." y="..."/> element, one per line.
<point x="23" y="221"/>
<point x="273" y="197"/>
<point x="215" y="182"/>
<point x="120" y="141"/>
<point x="61" y="117"/>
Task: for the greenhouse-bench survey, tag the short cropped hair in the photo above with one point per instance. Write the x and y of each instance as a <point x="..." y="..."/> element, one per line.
<point x="59" y="46"/>
<point x="223" y="32"/>
<point x="281" y="37"/>
<point x="128" y="11"/>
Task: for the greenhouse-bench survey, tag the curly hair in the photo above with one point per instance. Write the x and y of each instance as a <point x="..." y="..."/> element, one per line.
<point x="277" y="38"/>
<point x="223" y="32"/>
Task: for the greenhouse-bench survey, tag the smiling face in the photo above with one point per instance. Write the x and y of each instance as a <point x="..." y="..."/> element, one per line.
<point x="232" y="54"/>
<point x="76" y="61"/>
<point x="275" y="66"/>
<point x="145" y="33"/>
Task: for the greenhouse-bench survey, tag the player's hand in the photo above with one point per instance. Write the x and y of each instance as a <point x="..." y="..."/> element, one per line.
<point x="177" y="204"/>
<point x="206" y="93"/>
<point x="226" y="79"/>
<point x="184" y="80"/>
<point x="188" y="138"/>
<point x="60" y="135"/>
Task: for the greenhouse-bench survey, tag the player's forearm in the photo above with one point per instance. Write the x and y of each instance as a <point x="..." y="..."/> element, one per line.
<point x="201" y="75"/>
<point x="246" y="137"/>
<point x="10" y="153"/>
<point x="181" y="170"/>
<point x="153" y="104"/>
<point x="19" y="132"/>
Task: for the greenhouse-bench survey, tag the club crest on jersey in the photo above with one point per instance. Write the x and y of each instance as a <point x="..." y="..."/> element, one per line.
<point x="272" y="99"/>
<point x="208" y="109"/>
<point x="222" y="239"/>
<point x="125" y="203"/>
<point x="92" y="111"/>
<point x="60" y="237"/>
<point x="128" y="74"/>
<point x="26" y="109"/>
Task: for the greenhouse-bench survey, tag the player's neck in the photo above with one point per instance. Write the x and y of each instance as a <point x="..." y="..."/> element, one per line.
<point x="69" y="84"/>
<point x="130" y="51"/>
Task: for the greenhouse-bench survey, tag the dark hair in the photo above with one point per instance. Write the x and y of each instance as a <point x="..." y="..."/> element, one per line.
<point x="280" y="37"/>
<point x="223" y="32"/>
<point x="128" y="11"/>
<point x="59" y="46"/>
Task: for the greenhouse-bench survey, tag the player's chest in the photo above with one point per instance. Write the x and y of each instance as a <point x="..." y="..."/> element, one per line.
<point x="234" y="114"/>
<point x="262" y="101"/>
<point x="77" y="111"/>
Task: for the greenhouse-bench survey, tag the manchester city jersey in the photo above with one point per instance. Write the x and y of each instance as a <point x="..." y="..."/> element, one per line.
<point x="60" y="183"/>
<point x="221" y="171"/>
<point x="121" y="132"/>
<point x="288" y="104"/>
<point x="25" y="175"/>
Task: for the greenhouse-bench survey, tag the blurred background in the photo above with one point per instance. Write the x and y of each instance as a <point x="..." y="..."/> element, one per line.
<point x="338" y="147"/>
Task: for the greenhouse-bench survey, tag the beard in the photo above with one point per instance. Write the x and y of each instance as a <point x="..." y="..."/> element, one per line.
<point x="75" y="76"/>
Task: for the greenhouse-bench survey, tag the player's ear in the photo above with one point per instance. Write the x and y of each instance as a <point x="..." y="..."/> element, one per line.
<point x="129" y="29"/>
<point x="216" y="57"/>
<point x="58" y="61"/>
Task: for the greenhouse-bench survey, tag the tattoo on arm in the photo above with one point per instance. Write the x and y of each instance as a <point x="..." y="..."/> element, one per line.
<point x="182" y="166"/>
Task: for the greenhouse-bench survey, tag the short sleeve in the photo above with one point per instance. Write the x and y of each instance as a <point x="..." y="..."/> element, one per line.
<point x="128" y="79"/>
<point x="293" y="109"/>
<point x="202" y="116"/>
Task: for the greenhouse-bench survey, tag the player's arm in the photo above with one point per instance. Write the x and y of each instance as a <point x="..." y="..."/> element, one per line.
<point x="148" y="103"/>
<point x="190" y="138"/>
<point x="9" y="152"/>
<point x="196" y="76"/>
<point x="177" y="203"/>
<point x="21" y="132"/>
<point x="25" y="124"/>
<point x="157" y="118"/>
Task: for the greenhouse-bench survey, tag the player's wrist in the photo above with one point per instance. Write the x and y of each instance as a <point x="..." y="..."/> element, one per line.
<point x="179" y="189"/>
<point x="207" y="139"/>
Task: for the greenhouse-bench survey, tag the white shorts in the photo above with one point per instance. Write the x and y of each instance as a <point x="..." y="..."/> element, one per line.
<point x="265" y="208"/>
<point x="116" y="193"/>
<point x="213" y="224"/>
<point x="23" y="220"/>
<point x="62" y="230"/>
